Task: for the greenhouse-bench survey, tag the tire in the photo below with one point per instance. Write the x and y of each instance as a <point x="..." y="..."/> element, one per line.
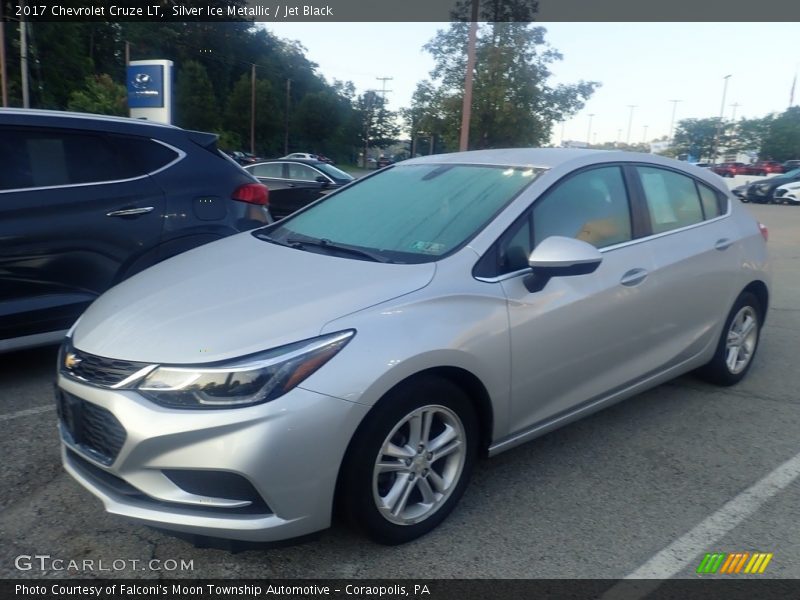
<point x="732" y="362"/>
<point x="388" y="502"/>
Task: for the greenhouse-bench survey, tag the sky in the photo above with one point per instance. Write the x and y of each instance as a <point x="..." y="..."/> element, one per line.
<point x="641" y="64"/>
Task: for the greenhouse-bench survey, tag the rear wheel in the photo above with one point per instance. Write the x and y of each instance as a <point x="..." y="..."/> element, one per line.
<point x="410" y="461"/>
<point x="738" y="343"/>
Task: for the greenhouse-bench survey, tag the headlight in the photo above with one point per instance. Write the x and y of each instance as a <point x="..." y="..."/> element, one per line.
<point x="243" y="381"/>
<point x="762" y="188"/>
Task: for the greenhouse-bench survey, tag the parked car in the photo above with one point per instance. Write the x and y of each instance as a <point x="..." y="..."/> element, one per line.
<point x="729" y="169"/>
<point x="87" y="201"/>
<point x="365" y="351"/>
<point x="244" y="158"/>
<point x="790" y="165"/>
<point x="740" y="191"/>
<point x="763" y="167"/>
<point x="702" y="165"/>
<point x="301" y="156"/>
<point x="296" y="183"/>
<point x="788" y="193"/>
<point x="384" y="161"/>
<point x="763" y="191"/>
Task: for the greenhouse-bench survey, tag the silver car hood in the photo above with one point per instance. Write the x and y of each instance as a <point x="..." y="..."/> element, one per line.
<point x="234" y="297"/>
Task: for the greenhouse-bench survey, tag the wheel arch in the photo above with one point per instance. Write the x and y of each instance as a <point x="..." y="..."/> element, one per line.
<point x="466" y="381"/>
<point x="759" y="289"/>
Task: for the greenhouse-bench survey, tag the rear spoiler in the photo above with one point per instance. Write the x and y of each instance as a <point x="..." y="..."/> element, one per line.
<point x="206" y="140"/>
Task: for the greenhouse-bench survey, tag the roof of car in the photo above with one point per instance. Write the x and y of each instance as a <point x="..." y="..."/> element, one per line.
<point x="60" y="114"/>
<point x="535" y="157"/>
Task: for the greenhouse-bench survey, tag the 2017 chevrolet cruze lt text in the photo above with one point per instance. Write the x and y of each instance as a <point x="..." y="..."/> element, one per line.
<point x="363" y="352"/>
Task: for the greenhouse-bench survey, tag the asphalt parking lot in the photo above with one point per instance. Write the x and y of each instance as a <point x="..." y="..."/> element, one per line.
<point x="644" y="488"/>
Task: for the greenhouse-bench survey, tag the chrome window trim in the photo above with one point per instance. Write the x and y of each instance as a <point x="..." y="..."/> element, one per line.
<point x="180" y="157"/>
<point x="288" y="178"/>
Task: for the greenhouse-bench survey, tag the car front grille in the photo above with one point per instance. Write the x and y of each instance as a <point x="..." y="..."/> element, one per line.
<point x="90" y="428"/>
<point x="96" y="370"/>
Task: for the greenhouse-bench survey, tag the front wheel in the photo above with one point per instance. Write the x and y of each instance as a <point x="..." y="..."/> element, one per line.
<point x="410" y="461"/>
<point x="738" y="343"/>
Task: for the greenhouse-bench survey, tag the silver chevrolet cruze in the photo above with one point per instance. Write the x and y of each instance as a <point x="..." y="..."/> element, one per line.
<point x="362" y="353"/>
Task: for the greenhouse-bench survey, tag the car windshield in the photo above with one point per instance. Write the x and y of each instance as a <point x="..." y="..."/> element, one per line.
<point x="793" y="173"/>
<point x="409" y="213"/>
<point x="333" y="172"/>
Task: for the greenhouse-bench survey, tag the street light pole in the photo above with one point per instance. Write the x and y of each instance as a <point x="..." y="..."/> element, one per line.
<point x="589" y="132"/>
<point x="672" y="120"/>
<point x="630" y="122"/>
<point x="721" y="114"/>
<point x="644" y="135"/>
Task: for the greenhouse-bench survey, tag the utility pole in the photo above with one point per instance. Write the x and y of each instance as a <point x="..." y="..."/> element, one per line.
<point x="3" y="82"/>
<point x="286" y="125"/>
<point x="644" y="135"/>
<point x="23" y="59"/>
<point x="589" y="131"/>
<point x="466" y="107"/>
<point x="252" y="108"/>
<point x="127" y="53"/>
<point x="384" y="90"/>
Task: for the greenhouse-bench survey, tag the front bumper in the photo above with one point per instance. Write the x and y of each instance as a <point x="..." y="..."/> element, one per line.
<point x="289" y="450"/>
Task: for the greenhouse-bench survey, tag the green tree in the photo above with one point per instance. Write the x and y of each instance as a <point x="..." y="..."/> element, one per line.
<point x="748" y="134"/>
<point x="378" y="125"/>
<point x="697" y="137"/>
<point x="100" y="95"/>
<point x="195" y="103"/>
<point x="782" y="142"/>
<point x="512" y="104"/>
<point x="269" y="116"/>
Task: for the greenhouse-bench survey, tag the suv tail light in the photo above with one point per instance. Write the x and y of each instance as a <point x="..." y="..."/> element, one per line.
<point x="252" y="193"/>
<point x="764" y="231"/>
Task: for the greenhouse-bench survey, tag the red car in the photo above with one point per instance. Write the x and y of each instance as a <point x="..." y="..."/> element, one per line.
<point x="765" y="167"/>
<point x="729" y="169"/>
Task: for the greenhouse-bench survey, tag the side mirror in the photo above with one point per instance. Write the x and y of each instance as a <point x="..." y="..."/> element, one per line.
<point x="323" y="180"/>
<point x="559" y="256"/>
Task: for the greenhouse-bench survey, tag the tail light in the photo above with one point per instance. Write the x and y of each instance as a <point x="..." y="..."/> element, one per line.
<point x="252" y="193"/>
<point x="764" y="231"/>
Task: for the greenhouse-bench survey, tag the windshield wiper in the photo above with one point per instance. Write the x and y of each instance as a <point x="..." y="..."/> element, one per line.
<point x="329" y="245"/>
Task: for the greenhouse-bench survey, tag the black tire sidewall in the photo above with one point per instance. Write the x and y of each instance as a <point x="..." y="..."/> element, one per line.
<point x="356" y="489"/>
<point x="716" y="371"/>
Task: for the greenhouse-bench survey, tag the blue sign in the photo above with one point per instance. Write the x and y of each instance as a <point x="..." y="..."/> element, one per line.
<point x="145" y="86"/>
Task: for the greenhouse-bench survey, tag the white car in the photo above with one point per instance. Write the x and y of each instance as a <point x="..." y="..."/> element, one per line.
<point x="789" y="193"/>
<point x="301" y="155"/>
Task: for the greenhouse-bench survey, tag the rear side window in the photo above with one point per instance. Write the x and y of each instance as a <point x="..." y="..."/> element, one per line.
<point x="272" y="170"/>
<point x="672" y="199"/>
<point x="712" y="205"/>
<point x="33" y="158"/>
<point x="146" y="155"/>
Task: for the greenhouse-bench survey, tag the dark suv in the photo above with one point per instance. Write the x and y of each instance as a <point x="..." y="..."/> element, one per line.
<point x="87" y="201"/>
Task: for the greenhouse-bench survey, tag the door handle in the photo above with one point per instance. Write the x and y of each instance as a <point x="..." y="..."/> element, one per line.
<point x="130" y="212"/>
<point x="723" y="244"/>
<point x="634" y="277"/>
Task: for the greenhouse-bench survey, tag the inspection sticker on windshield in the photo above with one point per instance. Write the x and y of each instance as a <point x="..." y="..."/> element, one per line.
<point x="428" y="247"/>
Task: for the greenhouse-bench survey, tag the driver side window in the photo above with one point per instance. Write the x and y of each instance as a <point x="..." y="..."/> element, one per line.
<point x="591" y="206"/>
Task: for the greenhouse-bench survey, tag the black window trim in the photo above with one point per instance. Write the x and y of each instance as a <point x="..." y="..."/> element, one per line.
<point x="181" y="155"/>
<point x="641" y="229"/>
<point x="634" y="210"/>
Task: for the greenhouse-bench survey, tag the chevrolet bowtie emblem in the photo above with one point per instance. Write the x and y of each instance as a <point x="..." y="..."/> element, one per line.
<point x="71" y="361"/>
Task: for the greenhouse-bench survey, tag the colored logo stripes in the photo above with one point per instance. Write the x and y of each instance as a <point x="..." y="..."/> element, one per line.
<point x="734" y="562"/>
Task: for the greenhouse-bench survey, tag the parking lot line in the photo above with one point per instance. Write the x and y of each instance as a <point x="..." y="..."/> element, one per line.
<point x="684" y="551"/>
<point x="27" y="412"/>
